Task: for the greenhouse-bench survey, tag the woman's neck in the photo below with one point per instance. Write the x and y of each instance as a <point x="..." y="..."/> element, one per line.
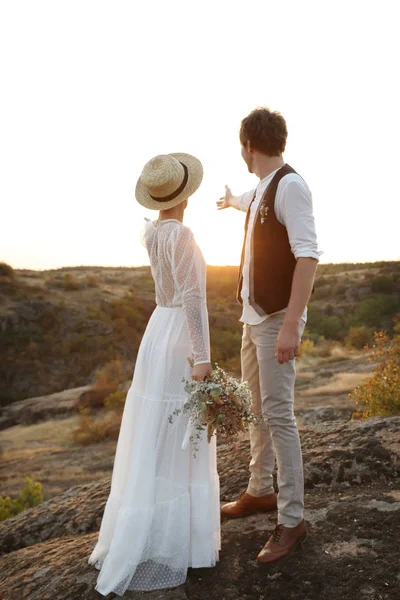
<point x="176" y="213"/>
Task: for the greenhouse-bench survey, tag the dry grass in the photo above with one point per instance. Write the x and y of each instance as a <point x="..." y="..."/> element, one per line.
<point x="39" y="433"/>
<point x="338" y="353"/>
<point x="341" y="383"/>
<point x="45" y="452"/>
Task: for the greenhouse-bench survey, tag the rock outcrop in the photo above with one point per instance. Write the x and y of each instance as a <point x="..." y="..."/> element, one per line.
<point x="352" y="480"/>
<point x="42" y="408"/>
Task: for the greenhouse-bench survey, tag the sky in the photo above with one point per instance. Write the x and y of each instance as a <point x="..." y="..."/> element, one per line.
<point x="91" y="90"/>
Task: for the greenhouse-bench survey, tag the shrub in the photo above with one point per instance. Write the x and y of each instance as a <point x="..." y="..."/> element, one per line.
<point x="380" y="395"/>
<point x="115" y="401"/>
<point x="322" y="349"/>
<point x="110" y="376"/>
<point x="329" y="310"/>
<point x="106" y="384"/>
<point x="359" y="337"/>
<point x="330" y="327"/>
<point x="92" y="430"/>
<point x="225" y="344"/>
<point x="383" y="284"/>
<point x="93" y="398"/>
<point x="376" y="312"/>
<point x="314" y="319"/>
<point x="105" y="393"/>
<point x="322" y="292"/>
<point x="92" y="281"/>
<point x="307" y="348"/>
<point x="6" y="270"/>
<point x="339" y="290"/>
<point x="30" y="495"/>
<point x="69" y="283"/>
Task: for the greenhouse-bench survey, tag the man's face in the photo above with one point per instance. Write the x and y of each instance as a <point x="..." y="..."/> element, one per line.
<point x="247" y="156"/>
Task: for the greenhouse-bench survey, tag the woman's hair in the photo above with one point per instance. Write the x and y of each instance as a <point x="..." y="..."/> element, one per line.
<point x="265" y="130"/>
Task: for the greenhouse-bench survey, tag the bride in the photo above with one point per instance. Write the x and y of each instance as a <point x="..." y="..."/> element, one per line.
<point x="162" y="515"/>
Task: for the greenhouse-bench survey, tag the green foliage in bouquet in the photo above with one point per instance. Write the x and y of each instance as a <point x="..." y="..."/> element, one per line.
<point x="219" y="404"/>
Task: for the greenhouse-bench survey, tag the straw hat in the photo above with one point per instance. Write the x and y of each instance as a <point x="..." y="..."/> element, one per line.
<point x="167" y="180"/>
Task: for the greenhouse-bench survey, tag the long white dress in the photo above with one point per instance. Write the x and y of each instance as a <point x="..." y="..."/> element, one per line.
<point x="162" y="514"/>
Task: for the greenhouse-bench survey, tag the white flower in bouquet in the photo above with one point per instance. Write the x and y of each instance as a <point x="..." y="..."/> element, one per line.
<point x="220" y="404"/>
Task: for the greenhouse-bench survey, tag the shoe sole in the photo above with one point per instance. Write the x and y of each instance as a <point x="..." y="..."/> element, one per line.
<point x="254" y="512"/>
<point x="300" y="542"/>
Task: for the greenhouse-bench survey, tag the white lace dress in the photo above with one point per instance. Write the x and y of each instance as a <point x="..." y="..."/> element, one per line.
<point x="162" y="514"/>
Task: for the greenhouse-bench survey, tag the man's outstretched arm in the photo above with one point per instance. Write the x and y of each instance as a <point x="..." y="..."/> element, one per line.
<point x="239" y="202"/>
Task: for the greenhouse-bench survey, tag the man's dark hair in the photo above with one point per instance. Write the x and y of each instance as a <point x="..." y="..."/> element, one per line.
<point x="265" y="130"/>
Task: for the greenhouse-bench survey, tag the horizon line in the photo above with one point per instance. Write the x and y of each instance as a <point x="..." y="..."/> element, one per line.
<point x="142" y="266"/>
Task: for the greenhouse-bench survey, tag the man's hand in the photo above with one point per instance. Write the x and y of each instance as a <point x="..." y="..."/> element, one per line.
<point x="200" y="372"/>
<point x="288" y="342"/>
<point x="224" y="201"/>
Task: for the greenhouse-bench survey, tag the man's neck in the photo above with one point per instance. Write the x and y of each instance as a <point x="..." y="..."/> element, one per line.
<point x="264" y="165"/>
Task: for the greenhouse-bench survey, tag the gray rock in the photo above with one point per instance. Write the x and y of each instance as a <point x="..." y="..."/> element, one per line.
<point x="352" y="500"/>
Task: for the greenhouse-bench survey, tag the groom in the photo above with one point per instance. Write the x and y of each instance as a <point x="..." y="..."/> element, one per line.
<point x="278" y="265"/>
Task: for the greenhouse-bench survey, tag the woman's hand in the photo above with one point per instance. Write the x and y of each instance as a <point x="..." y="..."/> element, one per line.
<point x="200" y="372"/>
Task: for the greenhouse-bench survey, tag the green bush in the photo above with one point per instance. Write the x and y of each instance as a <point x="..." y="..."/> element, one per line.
<point x="339" y="290"/>
<point x="321" y="292"/>
<point x="376" y="312"/>
<point x="383" y="284"/>
<point x="6" y="270"/>
<point x="328" y="327"/>
<point x="359" y="337"/>
<point x="30" y="495"/>
<point x="329" y="310"/>
<point x="380" y="395"/>
<point x="331" y="327"/>
<point x="225" y="344"/>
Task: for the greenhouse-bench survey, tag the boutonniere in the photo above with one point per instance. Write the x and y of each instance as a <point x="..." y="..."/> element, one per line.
<point x="263" y="212"/>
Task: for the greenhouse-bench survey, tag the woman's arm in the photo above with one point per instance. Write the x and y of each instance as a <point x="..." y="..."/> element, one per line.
<point x="189" y="273"/>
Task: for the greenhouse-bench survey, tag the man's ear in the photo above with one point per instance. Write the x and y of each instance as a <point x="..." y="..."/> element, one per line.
<point x="248" y="147"/>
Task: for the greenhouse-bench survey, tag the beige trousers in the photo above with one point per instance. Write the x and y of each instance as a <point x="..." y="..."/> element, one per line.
<point x="272" y="387"/>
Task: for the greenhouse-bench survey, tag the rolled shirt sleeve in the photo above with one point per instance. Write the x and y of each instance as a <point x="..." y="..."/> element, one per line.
<point x="294" y="209"/>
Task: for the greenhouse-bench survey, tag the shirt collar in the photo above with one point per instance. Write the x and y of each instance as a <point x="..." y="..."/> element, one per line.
<point x="267" y="178"/>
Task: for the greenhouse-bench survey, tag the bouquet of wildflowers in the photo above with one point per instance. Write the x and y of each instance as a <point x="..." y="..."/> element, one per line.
<point x="219" y="404"/>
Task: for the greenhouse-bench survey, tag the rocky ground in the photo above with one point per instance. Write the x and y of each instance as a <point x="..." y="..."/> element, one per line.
<point x="352" y="478"/>
<point x="35" y="434"/>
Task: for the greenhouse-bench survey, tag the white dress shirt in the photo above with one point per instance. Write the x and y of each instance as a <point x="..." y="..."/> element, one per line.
<point x="293" y="208"/>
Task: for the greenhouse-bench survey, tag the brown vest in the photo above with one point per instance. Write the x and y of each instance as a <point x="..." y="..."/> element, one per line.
<point x="272" y="262"/>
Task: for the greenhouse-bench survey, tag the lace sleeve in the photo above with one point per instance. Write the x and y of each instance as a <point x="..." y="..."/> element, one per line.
<point x="147" y="232"/>
<point x="189" y="271"/>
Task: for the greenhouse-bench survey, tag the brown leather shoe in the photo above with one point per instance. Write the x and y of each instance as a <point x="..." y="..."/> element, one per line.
<point x="248" y="505"/>
<point x="282" y="543"/>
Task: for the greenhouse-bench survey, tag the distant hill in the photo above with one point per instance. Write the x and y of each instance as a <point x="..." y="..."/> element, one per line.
<point x="58" y="326"/>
